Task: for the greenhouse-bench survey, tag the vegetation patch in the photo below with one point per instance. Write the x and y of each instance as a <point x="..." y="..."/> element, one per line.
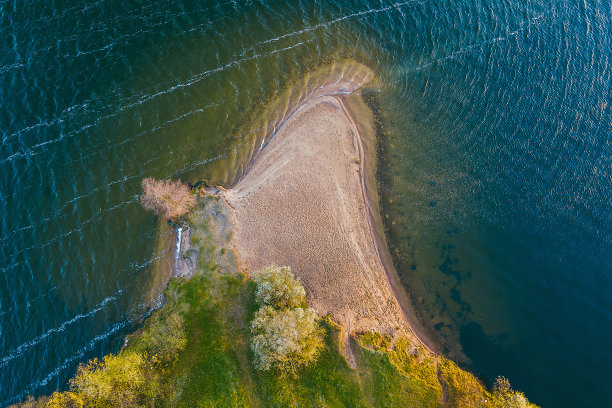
<point x="285" y="334"/>
<point x="197" y="350"/>
<point x="170" y="199"/>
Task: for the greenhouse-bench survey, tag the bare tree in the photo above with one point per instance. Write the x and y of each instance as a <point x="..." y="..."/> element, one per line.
<point x="169" y="199"/>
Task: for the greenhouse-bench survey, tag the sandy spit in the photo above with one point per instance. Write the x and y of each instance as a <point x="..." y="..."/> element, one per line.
<point x="303" y="203"/>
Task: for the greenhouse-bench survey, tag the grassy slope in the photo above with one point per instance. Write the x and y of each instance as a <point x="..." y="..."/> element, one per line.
<point x="216" y="369"/>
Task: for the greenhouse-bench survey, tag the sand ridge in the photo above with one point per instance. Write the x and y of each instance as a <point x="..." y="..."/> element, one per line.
<point x="303" y="203"/>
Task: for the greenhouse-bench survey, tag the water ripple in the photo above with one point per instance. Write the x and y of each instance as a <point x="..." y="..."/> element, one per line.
<point x="68" y="362"/>
<point x="25" y="346"/>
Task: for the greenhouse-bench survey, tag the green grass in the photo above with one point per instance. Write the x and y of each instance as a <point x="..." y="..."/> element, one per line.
<point x="215" y="368"/>
<point x="327" y="383"/>
<point x="393" y="387"/>
<point x="208" y="372"/>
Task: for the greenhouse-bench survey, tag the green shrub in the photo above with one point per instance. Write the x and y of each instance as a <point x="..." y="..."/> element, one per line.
<point x="30" y="402"/>
<point x="125" y="380"/>
<point x="286" y="339"/>
<point x="65" y="400"/>
<point x="286" y="334"/>
<point x="163" y="339"/>
<point x="464" y="390"/>
<point x="278" y="287"/>
<point x="505" y="397"/>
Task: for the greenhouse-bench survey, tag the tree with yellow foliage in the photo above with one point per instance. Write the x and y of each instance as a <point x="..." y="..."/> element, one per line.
<point x="125" y="380"/>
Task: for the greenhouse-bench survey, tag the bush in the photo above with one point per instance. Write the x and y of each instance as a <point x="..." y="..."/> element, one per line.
<point x="65" y="400"/>
<point x="286" y="334"/>
<point x="163" y="340"/>
<point x="286" y="339"/>
<point x="166" y="198"/>
<point x="134" y="378"/>
<point x="30" y="402"/>
<point x="505" y="397"/>
<point x="278" y="287"/>
<point x="125" y="380"/>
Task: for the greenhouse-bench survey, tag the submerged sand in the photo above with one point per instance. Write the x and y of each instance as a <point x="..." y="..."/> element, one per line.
<point x="303" y="203"/>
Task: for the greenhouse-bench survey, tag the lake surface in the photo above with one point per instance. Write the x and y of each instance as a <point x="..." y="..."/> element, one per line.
<point x="496" y="167"/>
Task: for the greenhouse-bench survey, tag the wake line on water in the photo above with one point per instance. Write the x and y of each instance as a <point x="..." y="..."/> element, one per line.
<point x="13" y="354"/>
<point x="143" y="133"/>
<point x="53" y="121"/>
<point x="150" y="27"/>
<point x="121" y="180"/>
<point x="195" y="79"/>
<point x="524" y="26"/>
<point x="187" y="167"/>
<point x="46" y="123"/>
<point x="32" y="57"/>
<point x="67" y="203"/>
<point x="134" y="15"/>
<point x="66" y="363"/>
<point x="58" y="120"/>
<point x="132" y="267"/>
<point x="9" y="267"/>
<point x="95" y="190"/>
<point x="78" y="228"/>
<point x="55" y="17"/>
<point x="29" y="151"/>
<point x="138" y="266"/>
<point x="339" y="19"/>
<point x="206" y="74"/>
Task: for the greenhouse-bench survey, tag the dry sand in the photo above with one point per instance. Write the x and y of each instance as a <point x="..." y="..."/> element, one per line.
<point x="303" y="203"/>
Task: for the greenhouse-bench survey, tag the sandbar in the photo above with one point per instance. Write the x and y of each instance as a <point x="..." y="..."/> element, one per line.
<point x="303" y="202"/>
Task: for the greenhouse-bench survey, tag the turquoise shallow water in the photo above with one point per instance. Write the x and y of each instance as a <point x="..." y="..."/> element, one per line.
<point x="495" y="178"/>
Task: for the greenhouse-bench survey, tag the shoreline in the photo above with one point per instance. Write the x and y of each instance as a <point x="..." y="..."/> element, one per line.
<point x="381" y="247"/>
<point x="309" y="201"/>
<point x="387" y="297"/>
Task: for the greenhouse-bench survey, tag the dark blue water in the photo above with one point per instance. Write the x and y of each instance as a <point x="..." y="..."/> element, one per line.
<point x="496" y="176"/>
